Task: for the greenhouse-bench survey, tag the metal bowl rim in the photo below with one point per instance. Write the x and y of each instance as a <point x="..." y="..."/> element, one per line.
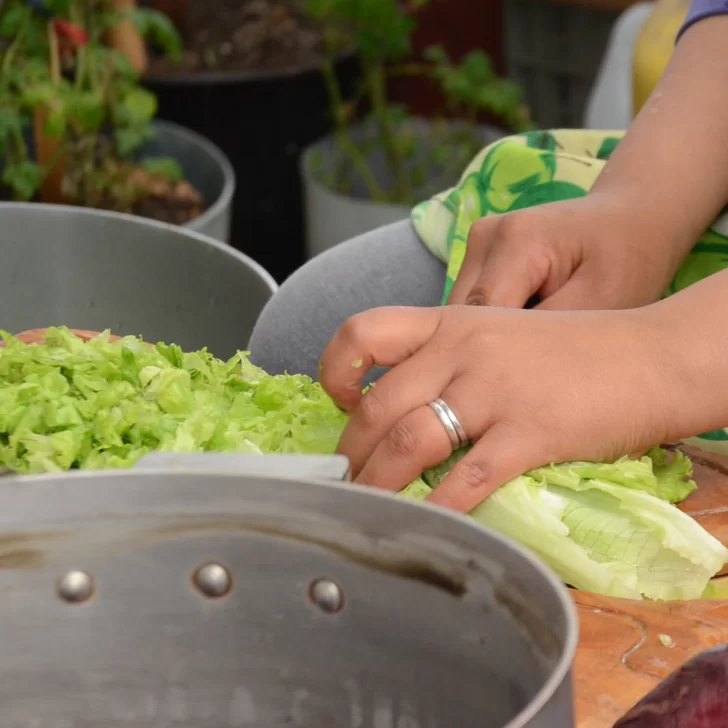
<point x="559" y="674"/>
<point x="41" y="208"/>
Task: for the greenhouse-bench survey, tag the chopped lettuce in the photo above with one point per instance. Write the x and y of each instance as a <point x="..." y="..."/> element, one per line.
<point x="69" y="404"/>
<point x="605" y="528"/>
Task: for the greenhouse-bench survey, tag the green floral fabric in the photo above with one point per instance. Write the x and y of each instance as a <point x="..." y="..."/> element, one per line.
<point x="532" y="169"/>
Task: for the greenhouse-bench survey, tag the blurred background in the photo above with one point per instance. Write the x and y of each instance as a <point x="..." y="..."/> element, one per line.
<point x="299" y="123"/>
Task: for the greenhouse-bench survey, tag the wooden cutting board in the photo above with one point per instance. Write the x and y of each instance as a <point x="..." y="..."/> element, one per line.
<point x="626" y="648"/>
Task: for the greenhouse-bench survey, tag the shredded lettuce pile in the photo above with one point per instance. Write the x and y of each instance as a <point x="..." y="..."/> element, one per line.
<point x="69" y="404"/>
<point x="606" y="528"/>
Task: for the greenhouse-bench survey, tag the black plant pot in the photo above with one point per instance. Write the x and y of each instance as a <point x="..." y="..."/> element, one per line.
<point x="262" y="121"/>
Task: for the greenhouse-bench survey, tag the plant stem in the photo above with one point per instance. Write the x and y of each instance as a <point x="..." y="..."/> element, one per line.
<point x="344" y="138"/>
<point x="75" y="12"/>
<point x="94" y="72"/>
<point x="376" y="81"/>
<point x="17" y="153"/>
<point x="411" y="69"/>
<point x="350" y="107"/>
<point x="55" y="60"/>
<point x="53" y="160"/>
<point x="18" y="147"/>
<point x="15" y="45"/>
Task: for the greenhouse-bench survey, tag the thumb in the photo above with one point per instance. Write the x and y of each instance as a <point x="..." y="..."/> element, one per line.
<point x="480" y="239"/>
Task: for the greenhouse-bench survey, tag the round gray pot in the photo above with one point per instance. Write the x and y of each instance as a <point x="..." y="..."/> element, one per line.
<point x="332" y="218"/>
<point x="90" y="269"/>
<point x="205" y="167"/>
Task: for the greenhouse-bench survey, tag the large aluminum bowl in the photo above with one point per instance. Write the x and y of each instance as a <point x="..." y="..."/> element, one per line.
<point x="95" y="270"/>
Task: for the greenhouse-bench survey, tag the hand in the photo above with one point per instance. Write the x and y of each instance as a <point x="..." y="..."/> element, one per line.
<point x="590" y="253"/>
<point x="529" y="387"/>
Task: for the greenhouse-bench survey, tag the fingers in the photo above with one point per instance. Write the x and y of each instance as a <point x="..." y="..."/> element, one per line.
<point x="504" y="266"/>
<point x="509" y="278"/>
<point x="416" y="442"/>
<point x="500" y="455"/>
<point x="382" y="337"/>
<point x="382" y="410"/>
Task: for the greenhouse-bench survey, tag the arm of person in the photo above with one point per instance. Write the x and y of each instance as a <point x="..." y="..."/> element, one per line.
<point x="620" y="246"/>
<point x="674" y="158"/>
<point x="692" y="330"/>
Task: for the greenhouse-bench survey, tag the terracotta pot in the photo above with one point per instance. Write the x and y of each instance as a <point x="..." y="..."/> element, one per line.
<point x="45" y="149"/>
<point x="36" y="336"/>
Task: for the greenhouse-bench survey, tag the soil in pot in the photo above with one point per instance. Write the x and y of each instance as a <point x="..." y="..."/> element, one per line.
<point x="165" y="200"/>
<point x="156" y="197"/>
<point x="137" y="190"/>
<point x="239" y="35"/>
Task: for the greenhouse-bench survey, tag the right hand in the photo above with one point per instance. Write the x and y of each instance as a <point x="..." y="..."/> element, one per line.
<point x="528" y="387"/>
<point x="596" y="252"/>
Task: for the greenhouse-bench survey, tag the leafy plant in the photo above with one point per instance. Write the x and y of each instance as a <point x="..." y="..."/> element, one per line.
<point x="381" y="31"/>
<point x="58" y="76"/>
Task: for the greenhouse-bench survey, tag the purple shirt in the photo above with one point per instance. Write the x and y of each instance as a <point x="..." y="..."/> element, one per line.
<point x="700" y="9"/>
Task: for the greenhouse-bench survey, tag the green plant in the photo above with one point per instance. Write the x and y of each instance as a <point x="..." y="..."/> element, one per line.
<point x="381" y="31"/>
<point x="85" y="97"/>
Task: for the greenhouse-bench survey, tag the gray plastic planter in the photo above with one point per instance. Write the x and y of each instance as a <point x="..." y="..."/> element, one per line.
<point x="332" y="218"/>
<point x="89" y="269"/>
<point x="204" y="166"/>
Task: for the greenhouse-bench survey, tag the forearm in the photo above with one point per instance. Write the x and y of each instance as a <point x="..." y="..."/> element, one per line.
<point x="690" y="332"/>
<point x="673" y="162"/>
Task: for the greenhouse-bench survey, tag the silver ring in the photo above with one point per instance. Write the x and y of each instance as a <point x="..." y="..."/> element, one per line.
<point x="455" y="431"/>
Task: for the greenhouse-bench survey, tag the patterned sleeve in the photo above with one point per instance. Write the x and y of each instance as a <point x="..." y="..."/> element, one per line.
<point x="700" y="9"/>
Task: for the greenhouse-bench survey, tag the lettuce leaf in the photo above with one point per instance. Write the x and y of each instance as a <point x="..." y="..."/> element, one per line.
<point x="605" y="528"/>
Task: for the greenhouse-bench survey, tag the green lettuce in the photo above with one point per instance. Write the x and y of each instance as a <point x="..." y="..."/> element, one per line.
<point x="605" y="528"/>
<point x="69" y="404"/>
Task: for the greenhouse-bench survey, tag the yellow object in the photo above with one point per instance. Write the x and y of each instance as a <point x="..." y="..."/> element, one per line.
<point x="654" y="48"/>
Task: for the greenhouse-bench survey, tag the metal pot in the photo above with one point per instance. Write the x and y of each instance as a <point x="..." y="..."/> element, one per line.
<point x="90" y="269"/>
<point x="197" y="598"/>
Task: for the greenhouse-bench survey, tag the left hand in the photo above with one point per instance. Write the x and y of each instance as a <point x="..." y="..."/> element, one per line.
<point x="529" y="388"/>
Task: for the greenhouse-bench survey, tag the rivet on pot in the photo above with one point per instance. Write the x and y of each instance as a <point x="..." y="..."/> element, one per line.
<point x="213" y="580"/>
<point x="327" y="596"/>
<point x="75" y="587"/>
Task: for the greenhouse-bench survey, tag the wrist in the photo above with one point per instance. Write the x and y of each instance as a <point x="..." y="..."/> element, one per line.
<point x="647" y="229"/>
<point x="640" y="245"/>
<point x="687" y="337"/>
